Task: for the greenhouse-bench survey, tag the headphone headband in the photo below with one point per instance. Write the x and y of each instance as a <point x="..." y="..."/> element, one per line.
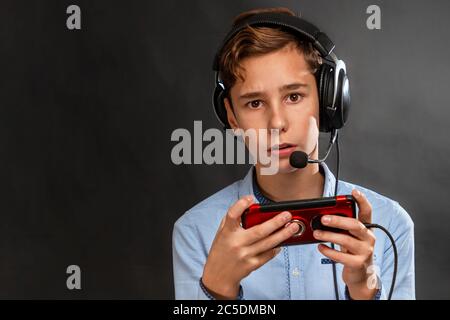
<point x="331" y="77"/>
<point x="319" y="39"/>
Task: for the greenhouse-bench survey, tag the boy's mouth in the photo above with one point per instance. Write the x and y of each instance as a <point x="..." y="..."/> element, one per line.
<point x="281" y="146"/>
<point x="282" y="150"/>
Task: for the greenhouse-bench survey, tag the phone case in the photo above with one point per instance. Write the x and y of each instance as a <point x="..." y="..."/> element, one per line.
<point x="306" y="213"/>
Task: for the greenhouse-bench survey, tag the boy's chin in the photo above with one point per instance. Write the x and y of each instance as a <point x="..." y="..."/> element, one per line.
<point x="283" y="167"/>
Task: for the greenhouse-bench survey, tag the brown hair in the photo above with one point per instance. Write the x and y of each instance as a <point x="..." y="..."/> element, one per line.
<point x="254" y="41"/>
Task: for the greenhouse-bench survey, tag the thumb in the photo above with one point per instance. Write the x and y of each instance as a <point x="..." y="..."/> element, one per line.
<point x="233" y="216"/>
<point x="365" y="209"/>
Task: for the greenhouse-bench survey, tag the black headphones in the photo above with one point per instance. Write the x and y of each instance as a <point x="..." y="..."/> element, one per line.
<point x="332" y="81"/>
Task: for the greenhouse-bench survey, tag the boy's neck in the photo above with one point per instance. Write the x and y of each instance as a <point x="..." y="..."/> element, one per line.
<point x="306" y="183"/>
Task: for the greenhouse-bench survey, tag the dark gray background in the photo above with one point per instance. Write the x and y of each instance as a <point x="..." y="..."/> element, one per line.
<point x="86" y="118"/>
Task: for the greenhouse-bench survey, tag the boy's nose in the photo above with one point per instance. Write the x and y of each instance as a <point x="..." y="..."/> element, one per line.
<point x="278" y="120"/>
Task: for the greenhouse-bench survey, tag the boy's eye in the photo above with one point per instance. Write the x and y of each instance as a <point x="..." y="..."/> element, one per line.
<point x="254" y="104"/>
<point x="294" y="97"/>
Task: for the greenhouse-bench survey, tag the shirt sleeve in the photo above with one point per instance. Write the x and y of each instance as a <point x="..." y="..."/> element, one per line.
<point x="188" y="262"/>
<point x="211" y="297"/>
<point x="379" y="295"/>
<point x="402" y="230"/>
<point x="189" y="257"/>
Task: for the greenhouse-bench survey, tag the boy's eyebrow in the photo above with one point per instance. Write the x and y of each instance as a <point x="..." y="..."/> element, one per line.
<point x="291" y="86"/>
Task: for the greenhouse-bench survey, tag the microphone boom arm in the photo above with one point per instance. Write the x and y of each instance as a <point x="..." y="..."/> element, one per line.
<point x="333" y="137"/>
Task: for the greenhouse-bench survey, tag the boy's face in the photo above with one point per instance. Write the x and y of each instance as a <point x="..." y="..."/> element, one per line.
<point x="278" y="92"/>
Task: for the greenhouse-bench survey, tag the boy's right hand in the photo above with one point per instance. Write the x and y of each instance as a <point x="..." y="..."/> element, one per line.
<point x="236" y="252"/>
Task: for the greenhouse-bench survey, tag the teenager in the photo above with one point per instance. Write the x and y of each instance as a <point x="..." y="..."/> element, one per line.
<point x="271" y="83"/>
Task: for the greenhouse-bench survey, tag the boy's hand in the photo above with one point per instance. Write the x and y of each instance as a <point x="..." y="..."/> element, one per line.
<point x="356" y="249"/>
<point x="236" y="252"/>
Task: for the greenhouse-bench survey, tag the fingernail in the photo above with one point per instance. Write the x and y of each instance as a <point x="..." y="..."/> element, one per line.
<point x="326" y="219"/>
<point x="286" y="215"/>
<point x="358" y="193"/>
<point x="249" y="198"/>
<point x="317" y="233"/>
<point x="294" y="227"/>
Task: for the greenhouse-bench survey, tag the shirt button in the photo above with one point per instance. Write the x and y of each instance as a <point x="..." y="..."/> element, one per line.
<point x="295" y="272"/>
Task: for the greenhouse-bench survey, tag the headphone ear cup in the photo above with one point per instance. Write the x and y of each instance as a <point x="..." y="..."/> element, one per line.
<point x="342" y="103"/>
<point x="326" y="91"/>
<point x="219" y="106"/>
<point x="319" y="81"/>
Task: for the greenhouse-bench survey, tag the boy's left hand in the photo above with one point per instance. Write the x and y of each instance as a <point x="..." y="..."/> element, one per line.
<point x="356" y="249"/>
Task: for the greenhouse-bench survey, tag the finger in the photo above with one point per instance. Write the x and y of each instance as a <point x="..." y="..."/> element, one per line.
<point x="222" y="222"/>
<point x="264" y="257"/>
<point x="365" y="209"/>
<point x="233" y="216"/>
<point x="347" y="259"/>
<point x="346" y="242"/>
<point x="263" y="230"/>
<point x="354" y="226"/>
<point x="274" y="240"/>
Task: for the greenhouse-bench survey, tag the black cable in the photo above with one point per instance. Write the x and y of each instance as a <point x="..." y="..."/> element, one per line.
<point x="336" y="291"/>
<point x="368" y="225"/>
<point x="394" y="247"/>
<point x="337" y="164"/>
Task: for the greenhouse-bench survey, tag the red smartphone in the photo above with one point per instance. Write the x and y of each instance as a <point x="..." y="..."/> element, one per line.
<point x="306" y="213"/>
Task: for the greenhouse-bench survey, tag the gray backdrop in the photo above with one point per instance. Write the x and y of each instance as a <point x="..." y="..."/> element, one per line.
<point x="86" y="118"/>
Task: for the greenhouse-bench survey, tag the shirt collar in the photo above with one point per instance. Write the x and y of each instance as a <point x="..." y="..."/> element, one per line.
<point x="249" y="185"/>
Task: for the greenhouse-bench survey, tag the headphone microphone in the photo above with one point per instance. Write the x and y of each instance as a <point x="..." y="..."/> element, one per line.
<point x="300" y="159"/>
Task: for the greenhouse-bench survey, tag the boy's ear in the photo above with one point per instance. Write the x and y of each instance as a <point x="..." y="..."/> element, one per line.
<point x="230" y="114"/>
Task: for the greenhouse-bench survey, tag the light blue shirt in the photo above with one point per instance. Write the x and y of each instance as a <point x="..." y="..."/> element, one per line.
<point x="297" y="272"/>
